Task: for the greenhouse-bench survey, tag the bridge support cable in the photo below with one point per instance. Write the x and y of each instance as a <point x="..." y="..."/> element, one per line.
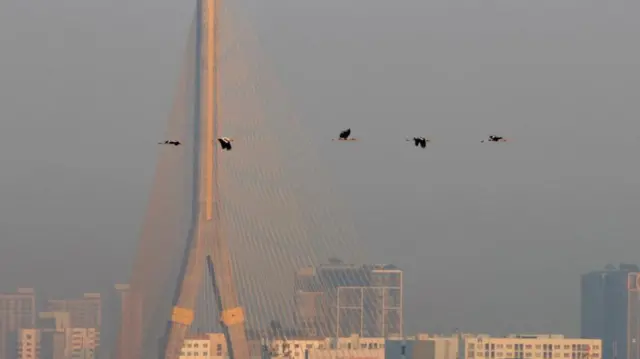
<point x="279" y="211"/>
<point x="190" y="274"/>
<point x="154" y="264"/>
<point x="275" y="211"/>
<point x="263" y="214"/>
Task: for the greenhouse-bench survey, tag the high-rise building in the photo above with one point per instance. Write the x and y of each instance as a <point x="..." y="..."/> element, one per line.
<point x="121" y="321"/>
<point x="312" y="307"/>
<point x="17" y="311"/>
<point x="388" y="290"/>
<point x="128" y="333"/>
<point x="85" y="313"/>
<point x="84" y="342"/>
<point x="29" y="344"/>
<point x="55" y="335"/>
<point x="56" y="340"/>
<point x="112" y="303"/>
<point x="340" y="299"/>
<point x="610" y="310"/>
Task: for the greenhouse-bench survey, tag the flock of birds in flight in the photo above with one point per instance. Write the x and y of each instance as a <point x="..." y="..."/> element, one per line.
<point x="225" y="142"/>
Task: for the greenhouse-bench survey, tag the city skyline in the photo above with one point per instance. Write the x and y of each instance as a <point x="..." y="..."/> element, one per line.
<point x="605" y="319"/>
<point x="557" y="78"/>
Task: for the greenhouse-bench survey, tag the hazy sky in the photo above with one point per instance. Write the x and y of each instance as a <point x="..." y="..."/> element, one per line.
<point x="492" y="237"/>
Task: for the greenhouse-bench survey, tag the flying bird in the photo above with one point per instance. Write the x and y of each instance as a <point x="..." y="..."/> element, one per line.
<point x="344" y="135"/>
<point x="225" y="142"/>
<point x="419" y="141"/>
<point x="175" y="143"/>
<point x="493" y="138"/>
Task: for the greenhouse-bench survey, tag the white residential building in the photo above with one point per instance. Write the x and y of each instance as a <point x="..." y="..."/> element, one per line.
<point x="523" y="346"/>
<point x="28" y="344"/>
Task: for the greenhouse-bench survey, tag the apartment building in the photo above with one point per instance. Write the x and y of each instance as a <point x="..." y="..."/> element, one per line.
<point x="519" y="346"/>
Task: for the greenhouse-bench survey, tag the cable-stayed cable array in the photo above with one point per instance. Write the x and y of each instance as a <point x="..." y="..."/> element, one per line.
<point x="163" y="230"/>
<point x="277" y="213"/>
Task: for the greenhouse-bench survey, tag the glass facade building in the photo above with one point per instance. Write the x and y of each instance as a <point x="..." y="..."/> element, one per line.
<point x="610" y="310"/>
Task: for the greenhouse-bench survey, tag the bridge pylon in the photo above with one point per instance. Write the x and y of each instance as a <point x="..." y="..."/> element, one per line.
<point x="205" y="232"/>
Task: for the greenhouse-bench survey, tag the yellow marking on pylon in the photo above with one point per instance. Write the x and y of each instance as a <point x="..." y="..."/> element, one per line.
<point x="233" y="316"/>
<point x="182" y="315"/>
